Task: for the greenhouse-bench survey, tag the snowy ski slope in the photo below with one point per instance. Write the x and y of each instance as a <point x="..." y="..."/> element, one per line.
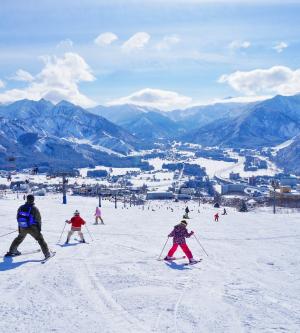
<point x="249" y="283"/>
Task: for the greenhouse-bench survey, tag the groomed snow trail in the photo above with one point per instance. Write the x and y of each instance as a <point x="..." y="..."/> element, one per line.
<point x="249" y="283"/>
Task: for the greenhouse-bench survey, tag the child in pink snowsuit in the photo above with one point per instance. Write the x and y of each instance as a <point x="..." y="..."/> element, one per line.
<point x="98" y="216"/>
<point x="179" y="234"/>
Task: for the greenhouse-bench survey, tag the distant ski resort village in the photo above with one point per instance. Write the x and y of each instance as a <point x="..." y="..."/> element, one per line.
<point x="241" y="178"/>
<point x="150" y="166"/>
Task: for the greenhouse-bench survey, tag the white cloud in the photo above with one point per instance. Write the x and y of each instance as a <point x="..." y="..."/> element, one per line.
<point x="137" y="42"/>
<point x="238" y="44"/>
<point x="241" y="99"/>
<point x="167" y="42"/>
<point x="2" y="84"/>
<point x="155" y="98"/>
<point x="277" y="79"/>
<point x="65" y="44"/>
<point x="280" y="47"/>
<point x="58" y="80"/>
<point x="105" y="39"/>
<point x="22" y="75"/>
<point x="237" y="99"/>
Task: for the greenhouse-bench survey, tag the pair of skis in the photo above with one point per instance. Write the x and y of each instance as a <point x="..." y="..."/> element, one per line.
<point x="179" y="258"/>
<point x="43" y="261"/>
<point x="70" y="244"/>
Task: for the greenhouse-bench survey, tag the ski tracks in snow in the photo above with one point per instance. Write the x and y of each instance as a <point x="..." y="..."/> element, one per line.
<point x="186" y="284"/>
<point x="112" y="315"/>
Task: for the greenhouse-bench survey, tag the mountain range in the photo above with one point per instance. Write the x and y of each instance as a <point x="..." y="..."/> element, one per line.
<point x="64" y="134"/>
<point x="266" y="123"/>
<point x="242" y="125"/>
<point x="199" y="116"/>
<point x="147" y="124"/>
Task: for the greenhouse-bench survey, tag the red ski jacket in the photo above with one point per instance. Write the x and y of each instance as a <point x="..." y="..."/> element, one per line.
<point x="76" y="222"/>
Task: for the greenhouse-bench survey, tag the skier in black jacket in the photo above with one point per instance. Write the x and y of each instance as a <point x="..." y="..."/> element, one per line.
<point x="30" y="222"/>
<point x="186" y="215"/>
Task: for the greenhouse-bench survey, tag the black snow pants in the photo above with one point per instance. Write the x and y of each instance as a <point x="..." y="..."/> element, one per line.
<point x="35" y="233"/>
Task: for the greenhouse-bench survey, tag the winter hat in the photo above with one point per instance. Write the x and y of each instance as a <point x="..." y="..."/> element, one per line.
<point x="76" y="212"/>
<point x="184" y="222"/>
<point x="30" y="198"/>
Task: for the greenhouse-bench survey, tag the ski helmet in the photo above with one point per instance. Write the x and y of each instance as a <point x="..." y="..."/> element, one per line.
<point x="76" y="212"/>
<point x="184" y="222"/>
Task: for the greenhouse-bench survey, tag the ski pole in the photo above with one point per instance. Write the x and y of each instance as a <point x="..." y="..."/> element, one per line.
<point x="89" y="232"/>
<point x="62" y="232"/>
<point x="8" y="233"/>
<point x="163" y="248"/>
<point x="200" y="244"/>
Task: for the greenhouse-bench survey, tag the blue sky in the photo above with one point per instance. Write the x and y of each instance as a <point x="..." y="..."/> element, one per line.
<point x="166" y="54"/>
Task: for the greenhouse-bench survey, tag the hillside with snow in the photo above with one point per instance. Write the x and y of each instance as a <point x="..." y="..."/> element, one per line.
<point x="248" y="283"/>
<point x="288" y="156"/>
<point x="267" y="123"/>
<point x="58" y="136"/>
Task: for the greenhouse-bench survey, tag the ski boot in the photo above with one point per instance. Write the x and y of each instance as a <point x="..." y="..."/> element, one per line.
<point x="47" y="255"/>
<point x="193" y="261"/>
<point x="13" y="253"/>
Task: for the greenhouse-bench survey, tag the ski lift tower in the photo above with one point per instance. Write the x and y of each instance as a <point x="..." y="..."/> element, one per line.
<point x="64" y="188"/>
<point x="64" y="185"/>
<point x="99" y="195"/>
<point x="275" y="185"/>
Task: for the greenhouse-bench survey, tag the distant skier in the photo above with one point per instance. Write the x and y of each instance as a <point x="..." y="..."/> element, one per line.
<point x="186" y="215"/>
<point x="98" y="215"/>
<point x="179" y="234"/>
<point x="76" y="222"/>
<point x="216" y="216"/>
<point x="30" y="222"/>
<point x="224" y="212"/>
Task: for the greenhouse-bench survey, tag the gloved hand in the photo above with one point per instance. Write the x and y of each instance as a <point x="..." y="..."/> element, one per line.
<point x="192" y="232"/>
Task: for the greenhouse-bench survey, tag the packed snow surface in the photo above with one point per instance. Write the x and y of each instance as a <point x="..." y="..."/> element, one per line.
<point x="249" y="283"/>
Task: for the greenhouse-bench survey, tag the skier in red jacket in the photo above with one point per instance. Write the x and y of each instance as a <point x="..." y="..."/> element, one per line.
<point x="216" y="216"/>
<point x="76" y="222"/>
<point x="179" y="234"/>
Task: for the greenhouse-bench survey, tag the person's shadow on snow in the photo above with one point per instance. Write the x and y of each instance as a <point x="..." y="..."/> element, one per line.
<point x="179" y="267"/>
<point x="8" y="263"/>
